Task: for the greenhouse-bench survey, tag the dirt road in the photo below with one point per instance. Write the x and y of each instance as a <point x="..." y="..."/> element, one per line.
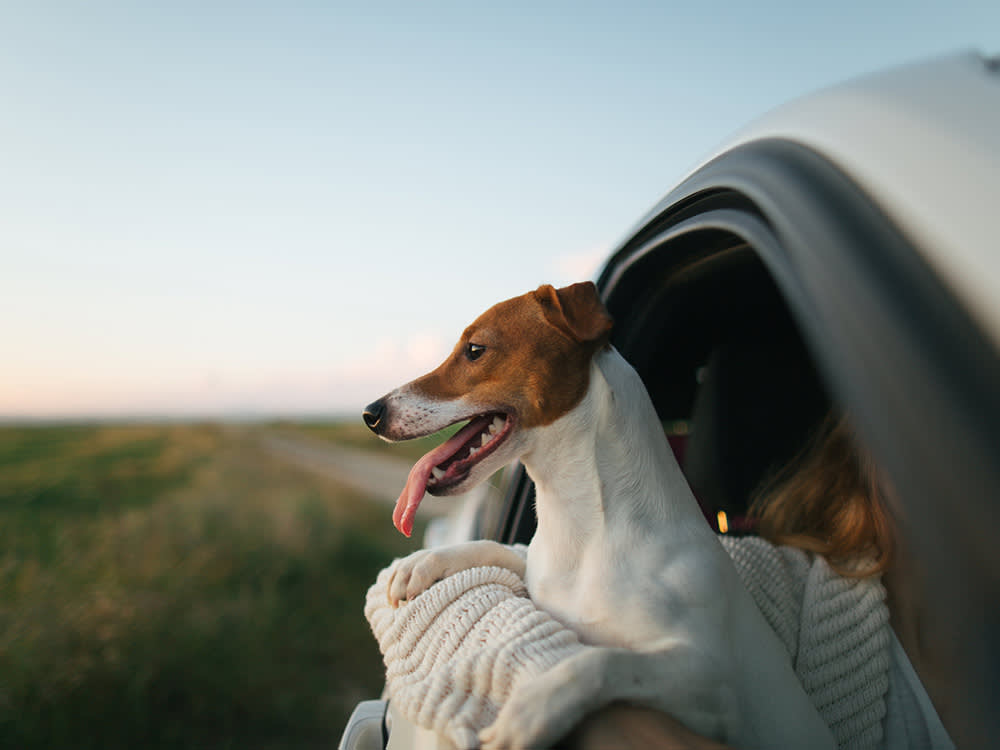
<point x="379" y="477"/>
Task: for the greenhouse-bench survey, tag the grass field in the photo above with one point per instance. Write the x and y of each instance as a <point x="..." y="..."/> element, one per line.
<point x="176" y="586"/>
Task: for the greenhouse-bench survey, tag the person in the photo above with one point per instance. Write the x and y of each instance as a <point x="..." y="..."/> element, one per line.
<point x="831" y="502"/>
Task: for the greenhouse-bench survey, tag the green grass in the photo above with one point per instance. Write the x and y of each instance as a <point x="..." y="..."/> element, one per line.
<point x="176" y="586"/>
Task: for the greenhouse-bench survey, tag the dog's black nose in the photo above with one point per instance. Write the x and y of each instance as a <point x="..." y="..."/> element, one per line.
<point x="373" y="415"/>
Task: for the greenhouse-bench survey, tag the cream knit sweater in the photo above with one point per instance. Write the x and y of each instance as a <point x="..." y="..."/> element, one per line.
<point x="455" y="653"/>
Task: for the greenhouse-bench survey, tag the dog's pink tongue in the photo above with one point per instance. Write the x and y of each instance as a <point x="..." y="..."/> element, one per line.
<point x="416" y="482"/>
<point x="413" y="493"/>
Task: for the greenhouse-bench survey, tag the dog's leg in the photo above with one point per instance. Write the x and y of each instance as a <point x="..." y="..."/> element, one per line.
<point x="417" y="572"/>
<point x="678" y="681"/>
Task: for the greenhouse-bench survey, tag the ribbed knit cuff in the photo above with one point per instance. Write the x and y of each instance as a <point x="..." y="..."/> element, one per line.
<point x="454" y="654"/>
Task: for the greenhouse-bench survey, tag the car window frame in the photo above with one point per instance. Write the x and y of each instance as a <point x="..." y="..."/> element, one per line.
<point x="896" y="348"/>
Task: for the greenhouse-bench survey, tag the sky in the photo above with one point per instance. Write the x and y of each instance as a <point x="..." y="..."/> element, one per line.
<point x="263" y="209"/>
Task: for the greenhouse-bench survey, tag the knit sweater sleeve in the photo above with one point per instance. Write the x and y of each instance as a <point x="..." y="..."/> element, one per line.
<point x="456" y="652"/>
<point x="835" y="629"/>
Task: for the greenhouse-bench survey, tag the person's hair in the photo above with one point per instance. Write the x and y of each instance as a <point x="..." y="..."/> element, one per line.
<point x="829" y="501"/>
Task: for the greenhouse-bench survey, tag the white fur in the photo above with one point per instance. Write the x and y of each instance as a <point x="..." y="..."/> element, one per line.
<point x="623" y="556"/>
<point x="414" y="413"/>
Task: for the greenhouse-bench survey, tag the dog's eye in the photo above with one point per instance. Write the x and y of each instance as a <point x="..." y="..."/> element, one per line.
<point x="474" y="351"/>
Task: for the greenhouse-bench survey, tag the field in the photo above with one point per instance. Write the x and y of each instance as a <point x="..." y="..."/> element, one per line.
<point x="177" y="586"/>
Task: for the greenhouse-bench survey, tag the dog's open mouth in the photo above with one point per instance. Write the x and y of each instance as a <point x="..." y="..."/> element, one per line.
<point x="450" y="463"/>
<point x="474" y="442"/>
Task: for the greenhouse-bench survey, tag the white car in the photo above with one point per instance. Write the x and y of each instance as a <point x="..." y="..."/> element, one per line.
<point x="842" y="250"/>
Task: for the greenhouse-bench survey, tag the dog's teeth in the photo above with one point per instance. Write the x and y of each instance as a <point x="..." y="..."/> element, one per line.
<point x="432" y="480"/>
<point x="473" y="451"/>
<point x="438" y="473"/>
<point x="484" y="439"/>
<point x="497" y="424"/>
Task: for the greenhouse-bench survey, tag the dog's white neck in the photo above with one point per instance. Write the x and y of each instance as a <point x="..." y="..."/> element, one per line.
<point x="604" y="473"/>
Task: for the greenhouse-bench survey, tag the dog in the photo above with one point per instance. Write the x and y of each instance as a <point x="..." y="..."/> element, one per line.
<point x="622" y="554"/>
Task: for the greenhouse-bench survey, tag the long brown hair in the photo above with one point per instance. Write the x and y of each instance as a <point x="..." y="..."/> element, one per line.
<point x="829" y="501"/>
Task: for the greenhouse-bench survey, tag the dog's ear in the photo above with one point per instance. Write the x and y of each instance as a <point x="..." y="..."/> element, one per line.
<point x="577" y="311"/>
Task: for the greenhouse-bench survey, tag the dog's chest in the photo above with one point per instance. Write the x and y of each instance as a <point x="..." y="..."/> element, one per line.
<point x="584" y="595"/>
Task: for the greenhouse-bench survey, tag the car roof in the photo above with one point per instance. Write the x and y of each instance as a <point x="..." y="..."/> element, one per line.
<point x="923" y="141"/>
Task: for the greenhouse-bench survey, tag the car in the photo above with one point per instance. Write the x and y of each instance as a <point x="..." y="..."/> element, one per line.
<point x="840" y="252"/>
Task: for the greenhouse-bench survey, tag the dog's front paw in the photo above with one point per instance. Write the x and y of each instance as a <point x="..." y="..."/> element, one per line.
<point x="538" y="713"/>
<point x="419" y="571"/>
<point x="414" y="574"/>
<point x="521" y="725"/>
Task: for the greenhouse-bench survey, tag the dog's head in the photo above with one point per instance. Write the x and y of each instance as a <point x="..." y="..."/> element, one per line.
<point x="521" y="365"/>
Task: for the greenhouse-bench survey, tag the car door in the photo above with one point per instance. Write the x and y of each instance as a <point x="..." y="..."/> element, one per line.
<point x="796" y="263"/>
<point x="772" y="236"/>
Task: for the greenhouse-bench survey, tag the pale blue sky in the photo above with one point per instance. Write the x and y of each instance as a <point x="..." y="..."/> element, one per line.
<point x="233" y="208"/>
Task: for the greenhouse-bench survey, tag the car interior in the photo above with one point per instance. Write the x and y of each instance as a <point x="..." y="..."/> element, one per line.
<point x="726" y="367"/>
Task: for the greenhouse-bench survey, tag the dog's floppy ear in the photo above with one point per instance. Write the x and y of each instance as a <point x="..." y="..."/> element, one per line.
<point x="577" y="311"/>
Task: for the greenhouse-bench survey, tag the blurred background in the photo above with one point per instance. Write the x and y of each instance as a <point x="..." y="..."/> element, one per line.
<point x="226" y="227"/>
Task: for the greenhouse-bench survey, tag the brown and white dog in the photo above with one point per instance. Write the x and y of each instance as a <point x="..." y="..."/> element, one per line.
<point x="622" y="553"/>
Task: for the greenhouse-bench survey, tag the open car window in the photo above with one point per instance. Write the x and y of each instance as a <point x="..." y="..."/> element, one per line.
<point x="768" y="287"/>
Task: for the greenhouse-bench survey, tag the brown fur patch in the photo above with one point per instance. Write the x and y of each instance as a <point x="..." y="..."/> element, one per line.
<point x="537" y="358"/>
